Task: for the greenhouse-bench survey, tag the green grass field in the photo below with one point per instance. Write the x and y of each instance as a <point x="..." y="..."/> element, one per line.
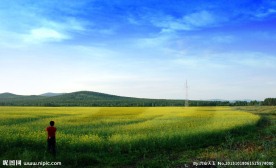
<point x="130" y="136"/>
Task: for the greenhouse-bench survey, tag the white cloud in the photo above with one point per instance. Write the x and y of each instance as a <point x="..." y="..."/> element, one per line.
<point x="44" y="31"/>
<point x="26" y="25"/>
<point x="53" y="31"/>
<point x="67" y="24"/>
<point x="44" y="35"/>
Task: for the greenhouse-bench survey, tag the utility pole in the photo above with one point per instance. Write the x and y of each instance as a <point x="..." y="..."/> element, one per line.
<point x="186" y="101"/>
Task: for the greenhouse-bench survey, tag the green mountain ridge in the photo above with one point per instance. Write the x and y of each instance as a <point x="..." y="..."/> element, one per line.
<point x="96" y="99"/>
<point x="84" y="95"/>
<point x="80" y="95"/>
<point x="8" y="95"/>
<point x="82" y="98"/>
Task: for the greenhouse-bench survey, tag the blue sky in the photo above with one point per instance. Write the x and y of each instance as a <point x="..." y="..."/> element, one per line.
<point x="147" y="48"/>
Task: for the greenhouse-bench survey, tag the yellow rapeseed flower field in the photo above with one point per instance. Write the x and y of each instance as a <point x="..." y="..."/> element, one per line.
<point x="116" y="129"/>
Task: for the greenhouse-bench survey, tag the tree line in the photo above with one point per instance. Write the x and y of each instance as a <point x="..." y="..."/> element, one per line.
<point x="129" y="103"/>
<point x="95" y="99"/>
<point x="270" y="102"/>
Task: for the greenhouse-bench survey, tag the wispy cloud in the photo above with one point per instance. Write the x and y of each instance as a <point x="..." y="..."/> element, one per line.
<point x="39" y="35"/>
<point x="199" y="19"/>
<point x="36" y="23"/>
<point x="224" y="38"/>
<point x="53" y="31"/>
<point x="265" y="13"/>
<point x="219" y="61"/>
<point x="192" y="21"/>
<point x="160" y="42"/>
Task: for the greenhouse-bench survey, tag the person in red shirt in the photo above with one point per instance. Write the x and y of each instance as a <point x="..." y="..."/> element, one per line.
<point x="51" y="139"/>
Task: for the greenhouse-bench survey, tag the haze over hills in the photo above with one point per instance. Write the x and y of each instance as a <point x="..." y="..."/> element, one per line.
<point x="247" y="100"/>
<point x="90" y="98"/>
<point x="50" y="94"/>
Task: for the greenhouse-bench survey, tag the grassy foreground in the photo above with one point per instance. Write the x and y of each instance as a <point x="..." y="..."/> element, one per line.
<point x="138" y="137"/>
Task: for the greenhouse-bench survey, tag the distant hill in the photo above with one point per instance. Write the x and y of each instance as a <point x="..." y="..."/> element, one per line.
<point x="94" y="99"/>
<point x="81" y="95"/>
<point x="89" y="95"/>
<point x="8" y="95"/>
<point x="232" y="101"/>
<point x="81" y="98"/>
<point x="89" y="98"/>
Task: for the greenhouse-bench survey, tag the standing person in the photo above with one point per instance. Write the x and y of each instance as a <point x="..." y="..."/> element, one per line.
<point x="51" y="140"/>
